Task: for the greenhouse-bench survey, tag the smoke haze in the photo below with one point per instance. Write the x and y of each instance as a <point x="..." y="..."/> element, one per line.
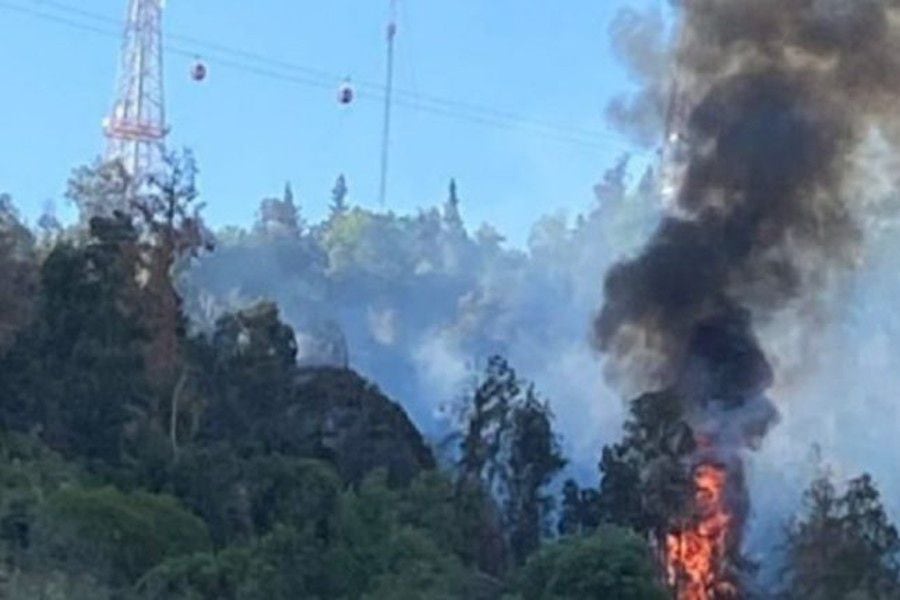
<point x="419" y="303"/>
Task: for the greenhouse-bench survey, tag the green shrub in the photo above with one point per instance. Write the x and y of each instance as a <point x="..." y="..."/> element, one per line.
<point x="612" y="563"/>
<point x="126" y="534"/>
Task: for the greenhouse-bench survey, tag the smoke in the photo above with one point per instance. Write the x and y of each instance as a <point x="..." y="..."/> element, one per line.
<point x="788" y="142"/>
<point x="419" y="303"/>
<point x="639" y="40"/>
<point x="784" y="99"/>
<point x="839" y="409"/>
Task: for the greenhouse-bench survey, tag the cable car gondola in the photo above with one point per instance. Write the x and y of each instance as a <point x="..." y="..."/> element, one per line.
<point x="199" y="71"/>
<point x="346" y="94"/>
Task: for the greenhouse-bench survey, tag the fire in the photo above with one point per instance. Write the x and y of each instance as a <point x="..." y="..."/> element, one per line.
<point x="696" y="555"/>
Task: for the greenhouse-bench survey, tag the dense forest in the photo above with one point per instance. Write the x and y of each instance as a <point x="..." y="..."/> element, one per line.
<point x="145" y="456"/>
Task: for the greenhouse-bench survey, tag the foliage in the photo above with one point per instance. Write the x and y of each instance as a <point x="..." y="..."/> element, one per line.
<point x="365" y="549"/>
<point x="645" y="481"/>
<point x="339" y="193"/>
<point x="77" y="372"/>
<point x="579" y="509"/>
<point x="29" y="473"/>
<point x="99" y="190"/>
<point x="844" y="546"/>
<point x="452" y="218"/>
<point x="248" y="368"/>
<point x="432" y="503"/>
<point x="83" y="529"/>
<point x="534" y="460"/>
<point x="487" y="422"/>
<point x="280" y="218"/>
<point x="242" y="498"/>
<point x="18" y="272"/>
<point x="377" y="551"/>
<point x="48" y="584"/>
<point x="167" y="215"/>
<point x="143" y="461"/>
<point x="510" y="449"/>
<point x="611" y="563"/>
<point x="259" y="401"/>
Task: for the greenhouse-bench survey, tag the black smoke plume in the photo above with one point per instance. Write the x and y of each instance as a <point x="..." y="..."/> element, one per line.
<point x="778" y="96"/>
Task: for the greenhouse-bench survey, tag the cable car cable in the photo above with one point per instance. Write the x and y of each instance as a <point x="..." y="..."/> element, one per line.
<point x="314" y="72"/>
<point x="414" y="99"/>
<point x="316" y="78"/>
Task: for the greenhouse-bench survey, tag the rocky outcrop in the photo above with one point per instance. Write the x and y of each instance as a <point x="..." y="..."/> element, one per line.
<point x="358" y="428"/>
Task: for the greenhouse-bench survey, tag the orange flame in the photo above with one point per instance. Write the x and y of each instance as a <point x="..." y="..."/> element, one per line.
<point x="696" y="556"/>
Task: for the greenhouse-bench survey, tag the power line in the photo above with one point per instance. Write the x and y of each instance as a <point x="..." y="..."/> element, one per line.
<point x="273" y="68"/>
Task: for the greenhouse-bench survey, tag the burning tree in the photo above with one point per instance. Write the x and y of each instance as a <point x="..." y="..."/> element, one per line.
<point x="677" y="476"/>
<point x="698" y="553"/>
<point x="779" y="95"/>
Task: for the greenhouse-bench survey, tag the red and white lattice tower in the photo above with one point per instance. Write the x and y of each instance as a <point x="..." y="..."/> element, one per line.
<point x="136" y="129"/>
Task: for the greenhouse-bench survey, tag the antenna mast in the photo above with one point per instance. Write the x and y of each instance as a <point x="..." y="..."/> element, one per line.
<point x="672" y="153"/>
<point x="388" y="99"/>
<point x="136" y="128"/>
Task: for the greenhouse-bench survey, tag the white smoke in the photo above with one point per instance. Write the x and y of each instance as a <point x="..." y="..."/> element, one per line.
<point x="420" y="303"/>
<point x="838" y="393"/>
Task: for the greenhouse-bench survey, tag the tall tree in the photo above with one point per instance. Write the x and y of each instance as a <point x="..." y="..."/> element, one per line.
<point x="645" y="483"/>
<point x="18" y="273"/>
<point x="280" y="218"/>
<point x="487" y="421"/>
<point x="339" y="197"/>
<point x="534" y="460"/>
<point x="579" y="510"/>
<point x="168" y="216"/>
<point x="570" y="509"/>
<point x="510" y="451"/>
<point x="249" y="368"/>
<point x="77" y="373"/>
<point x="100" y="190"/>
<point x="452" y="218"/>
<point x="844" y="546"/>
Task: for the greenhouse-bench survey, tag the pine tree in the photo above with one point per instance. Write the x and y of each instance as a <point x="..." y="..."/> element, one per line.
<point x="279" y="218"/>
<point x="452" y="218"/>
<point x="339" y="197"/>
<point x="293" y="210"/>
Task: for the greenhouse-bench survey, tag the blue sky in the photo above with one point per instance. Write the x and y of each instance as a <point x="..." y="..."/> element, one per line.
<point x="547" y="60"/>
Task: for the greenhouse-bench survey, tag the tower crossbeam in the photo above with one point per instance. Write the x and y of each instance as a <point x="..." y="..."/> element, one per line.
<point x="136" y="128"/>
